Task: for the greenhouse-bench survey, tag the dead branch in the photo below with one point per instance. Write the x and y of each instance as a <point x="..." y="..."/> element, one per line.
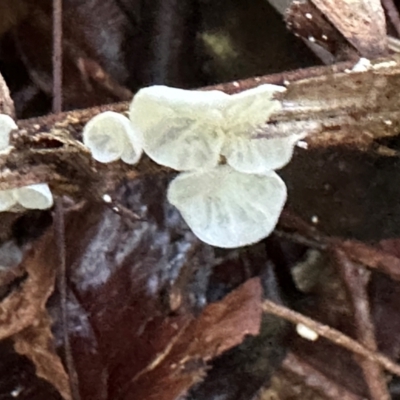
<point x="57" y="56"/>
<point x="356" y="280"/>
<point x="315" y="379"/>
<point x="363" y="254"/>
<point x="331" y="334"/>
<point x="51" y="145"/>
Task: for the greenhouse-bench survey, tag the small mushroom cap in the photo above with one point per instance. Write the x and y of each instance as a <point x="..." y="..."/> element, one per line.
<point x="181" y="129"/>
<point x="226" y="208"/>
<point x="246" y="114"/>
<point x="7" y="124"/>
<point x="7" y="200"/>
<point x="36" y="196"/>
<point x="110" y="136"/>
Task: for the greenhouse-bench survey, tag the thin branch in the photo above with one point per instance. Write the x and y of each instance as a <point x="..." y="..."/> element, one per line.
<point x="316" y="380"/>
<point x="331" y="334"/>
<point x="300" y="239"/>
<point x="356" y="279"/>
<point x="166" y="16"/>
<point x="361" y="253"/>
<point x="57" y="56"/>
<point x="371" y="257"/>
<point x="59" y="224"/>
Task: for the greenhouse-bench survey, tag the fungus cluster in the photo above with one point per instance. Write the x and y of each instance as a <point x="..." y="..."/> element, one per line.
<point x="227" y="191"/>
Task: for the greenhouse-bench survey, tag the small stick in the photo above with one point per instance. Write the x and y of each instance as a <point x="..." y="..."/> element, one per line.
<point x="59" y="225"/>
<point x="331" y="334"/>
<point x="164" y="38"/>
<point x="361" y="253"/>
<point x="356" y="279"/>
<point x="315" y="379"/>
<point x="57" y="56"/>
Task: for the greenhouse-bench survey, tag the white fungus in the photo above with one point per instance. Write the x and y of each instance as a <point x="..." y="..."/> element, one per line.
<point x="110" y="137"/>
<point x="7" y="124"/>
<point x="247" y="112"/>
<point x="228" y="205"/>
<point x="7" y="200"/>
<point x="36" y="197"/>
<point x="180" y="129"/>
<point x="227" y="208"/>
<point x="189" y="130"/>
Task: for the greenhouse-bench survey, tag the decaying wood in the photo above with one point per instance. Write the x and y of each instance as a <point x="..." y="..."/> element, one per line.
<point x="361" y="22"/>
<point x="48" y="149"/>
<point x="344" y="108"/>
<point x="332" y="105"/>
<point x="338" y="30"/>
<point x="305" y="20"/>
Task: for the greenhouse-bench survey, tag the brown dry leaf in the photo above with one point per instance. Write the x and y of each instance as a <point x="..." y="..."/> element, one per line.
<point x="25" y="306"/>
<point x="23" y="316"/>
<point x="361" y="22"/>
<point x="37" y="343"/>
<point x="221" y="326"/>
